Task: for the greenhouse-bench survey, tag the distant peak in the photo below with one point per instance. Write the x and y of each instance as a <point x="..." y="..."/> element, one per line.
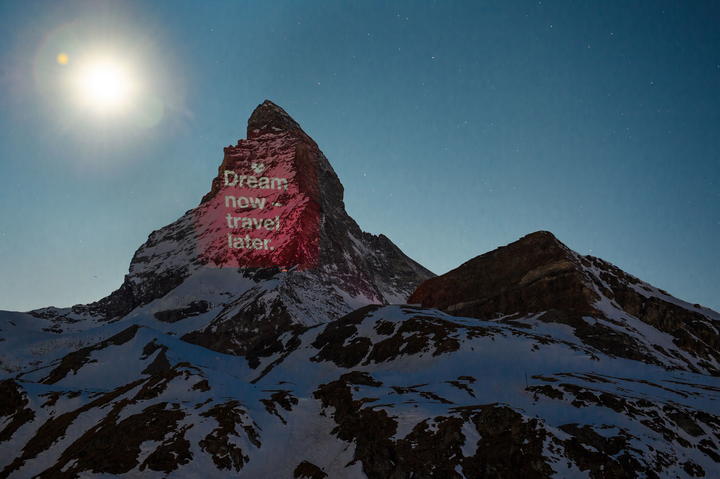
<point x="535" y="273"/>
<point x="270" y="117"/>
<point x="540" y="236"/>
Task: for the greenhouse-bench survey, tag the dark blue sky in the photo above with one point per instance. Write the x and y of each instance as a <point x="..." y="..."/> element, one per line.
<point x="456" y="127"/>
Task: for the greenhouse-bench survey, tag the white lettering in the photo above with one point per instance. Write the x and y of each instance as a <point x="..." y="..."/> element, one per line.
<point x="235" y="180"/>
<point x="250" y="181"/>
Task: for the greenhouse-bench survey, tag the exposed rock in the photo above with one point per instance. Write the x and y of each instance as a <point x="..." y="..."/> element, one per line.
<point x="55" y="428"/>
<point x="282" y="398"/>
<point x="533" y="274"/>
<point x="539" y="274"/>
<point x="160" y="364"/>
<point x="13" y="405"/>
<point x="219" y="444"/>
<point x="308" y="470"/>
<point x="113" y="447"/>
<point x="192" y="309"/>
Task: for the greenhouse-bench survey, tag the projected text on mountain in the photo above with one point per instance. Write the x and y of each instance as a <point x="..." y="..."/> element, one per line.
<point x="260" y="216"/>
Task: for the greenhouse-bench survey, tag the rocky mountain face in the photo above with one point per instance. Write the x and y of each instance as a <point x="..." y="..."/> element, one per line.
<point x="343" y="358"/>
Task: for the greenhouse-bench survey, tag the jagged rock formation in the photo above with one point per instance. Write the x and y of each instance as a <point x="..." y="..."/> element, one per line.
<point x="528" y="361"/>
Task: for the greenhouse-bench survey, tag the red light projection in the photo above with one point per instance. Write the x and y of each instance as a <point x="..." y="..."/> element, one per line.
<point x="263" y="210"/>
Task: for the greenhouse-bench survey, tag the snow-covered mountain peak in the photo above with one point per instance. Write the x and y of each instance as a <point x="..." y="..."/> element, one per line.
<point x="272" y="235"/>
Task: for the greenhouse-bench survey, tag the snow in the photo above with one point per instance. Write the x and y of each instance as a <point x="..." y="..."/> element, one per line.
<point x="498" y="361"/>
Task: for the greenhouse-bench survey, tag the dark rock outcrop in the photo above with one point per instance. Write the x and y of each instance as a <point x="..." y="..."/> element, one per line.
<point x="536" y="273"/>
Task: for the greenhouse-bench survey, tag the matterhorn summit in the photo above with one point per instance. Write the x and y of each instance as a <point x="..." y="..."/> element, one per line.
<point x="313" y="263"/>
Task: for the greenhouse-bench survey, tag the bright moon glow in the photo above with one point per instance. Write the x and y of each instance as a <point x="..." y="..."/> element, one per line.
<point x="105" y="81"/>
<point x="104" y="85"/>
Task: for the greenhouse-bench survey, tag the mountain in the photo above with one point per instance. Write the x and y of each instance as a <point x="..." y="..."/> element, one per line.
<point x="539" y="275"/>
<point x="185" y="268"/>
<point x="335" y="355"/>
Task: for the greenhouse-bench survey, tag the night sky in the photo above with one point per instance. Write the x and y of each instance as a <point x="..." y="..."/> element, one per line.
<point x="455" y="127"/>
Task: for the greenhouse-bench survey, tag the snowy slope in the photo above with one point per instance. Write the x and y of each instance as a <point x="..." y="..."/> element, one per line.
<point x="383" y="391"/>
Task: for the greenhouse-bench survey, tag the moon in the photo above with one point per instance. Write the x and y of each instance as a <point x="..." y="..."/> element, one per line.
<point x="104" y="85"/>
